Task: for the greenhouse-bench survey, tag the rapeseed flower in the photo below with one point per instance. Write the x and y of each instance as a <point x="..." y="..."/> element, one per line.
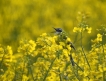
<point x="48" y="58"/>
<point x="78" y="29"/>
<point x="89" y="29"/>
<point x="99" y="37"/>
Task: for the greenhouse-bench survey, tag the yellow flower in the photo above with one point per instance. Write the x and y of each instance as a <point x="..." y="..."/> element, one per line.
<point x="9" y="50"/>
<point x="66" y="54"/>
<point x="25" y="78"/>
<point x="100" y="68"/>
<point x="85" y="79"/>
<point x="31" y="46"/>
<point x="44" y="34"/>
<point x="99" y="37"/>
<point x="68" y="39"/>
<point x="32" y="43"/>
<point x="27" y="46"/>
<point x="62" y="43"/>
<point x="89" y="29"/>
<point x="78" y="29"/>
<point x="75" y="29"/>
<point x="68" y="47"/>
<point x="60" y="47"/>
<point x="52" y="77"/>
<point x="55" y="37"/>
<point x="104" y="68"/>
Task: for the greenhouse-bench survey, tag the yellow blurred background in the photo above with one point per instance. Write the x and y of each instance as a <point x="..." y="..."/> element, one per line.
<point x="27" y="19"/>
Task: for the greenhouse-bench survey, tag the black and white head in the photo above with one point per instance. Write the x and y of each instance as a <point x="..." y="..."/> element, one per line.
<point x="58" y="30"/>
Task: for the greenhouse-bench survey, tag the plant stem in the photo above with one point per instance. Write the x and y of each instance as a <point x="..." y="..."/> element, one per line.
<point x="49" y="69"/>
<point x="84" y="52"/>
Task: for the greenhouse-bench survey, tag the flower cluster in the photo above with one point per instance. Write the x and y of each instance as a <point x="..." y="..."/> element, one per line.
<point x="98" y="39"/>
<point x="27" y="47"/>
<point x="80" y="29"/>
<point x="6" y="55"/>
<point x="53" y="58"/>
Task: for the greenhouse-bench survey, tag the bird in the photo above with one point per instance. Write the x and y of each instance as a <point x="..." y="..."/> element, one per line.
<point x="58" y="30"/>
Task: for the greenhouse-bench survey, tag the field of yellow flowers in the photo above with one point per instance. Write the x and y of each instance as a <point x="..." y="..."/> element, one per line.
<point x="32" y="48"/>
<point x="54" y="58"/>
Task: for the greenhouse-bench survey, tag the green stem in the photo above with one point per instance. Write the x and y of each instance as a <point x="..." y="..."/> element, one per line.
<point x="84" y="52"/>
<point x="29" y="67"/>
<point x="14" y="79"/>
<point x="60" y="75"/>
<point x="2" y="59"/>
<point x="31" y="73"/>
<point x="104" y="76"/>
<point x="76" y="75"/>
<point x="75" y="39"/>
<point x="79" y="66"/>
<point x="102" y="44"/>
<point x="104" y="72"/>
<point x="49" y="69"/>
